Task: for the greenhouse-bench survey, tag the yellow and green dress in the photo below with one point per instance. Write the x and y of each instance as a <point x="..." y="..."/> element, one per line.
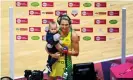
<point x="58" y="68"/>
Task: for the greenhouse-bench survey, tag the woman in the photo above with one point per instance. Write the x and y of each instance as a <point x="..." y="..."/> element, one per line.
<point x="69" y="39"/>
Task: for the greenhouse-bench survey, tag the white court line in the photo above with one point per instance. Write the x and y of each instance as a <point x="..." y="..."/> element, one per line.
<point x="104" y="60"/>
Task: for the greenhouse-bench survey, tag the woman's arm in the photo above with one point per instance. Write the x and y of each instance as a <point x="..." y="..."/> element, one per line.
<point x="75" y="45"/>
<point x="59" y="47"/>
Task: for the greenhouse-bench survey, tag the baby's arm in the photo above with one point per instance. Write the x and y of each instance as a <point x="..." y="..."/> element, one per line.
<point x="58" y="46"/>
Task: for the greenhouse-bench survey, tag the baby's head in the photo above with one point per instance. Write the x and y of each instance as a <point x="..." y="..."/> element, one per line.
<point x="53" y="27"/>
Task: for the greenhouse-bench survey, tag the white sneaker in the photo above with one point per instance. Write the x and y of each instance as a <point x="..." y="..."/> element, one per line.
<point x="46" y="70"/>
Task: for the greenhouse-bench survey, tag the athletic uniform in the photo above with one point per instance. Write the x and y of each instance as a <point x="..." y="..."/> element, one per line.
<point x="58" y="67"/>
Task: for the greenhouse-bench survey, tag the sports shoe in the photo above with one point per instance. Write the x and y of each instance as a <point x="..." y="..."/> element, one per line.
<point x="49" y="68"/>
<point x="65" y="75"/>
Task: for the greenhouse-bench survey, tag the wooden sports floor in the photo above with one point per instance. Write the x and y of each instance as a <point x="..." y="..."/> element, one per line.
<point x="30" y="54"/>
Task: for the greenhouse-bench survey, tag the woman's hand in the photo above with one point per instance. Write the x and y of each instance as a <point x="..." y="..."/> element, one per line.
<point x="56" y="55"/>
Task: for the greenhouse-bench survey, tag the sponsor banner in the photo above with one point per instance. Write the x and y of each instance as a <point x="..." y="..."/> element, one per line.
<point x="44" y="37"/>
<point x="76" y="29"/>
<point x="75" y="21"/>
<point x="21" y="20"/>
<point x="22" y="29"/>
<point x="21" y="37"/>
<point x="35" y="4"/>
<point x="86" y="29"/>
<point x="100" y="4"/>
<point x="87" y="4"/>
<point x="74" y="13"/>
<point x="35" y="37"/>
<point x="73" y="4"/>
<point x="21" y="3"/>
<point x="100" y="13"/>
<point x="47" y="4"/>
<point x="86" y="13"/>
<point x="100" y="21"/>
<point x="34" y="29"/>
<point x="46" y="21"/>
<point x="34" y="12"/>
<point x="100" y="38"/>
<point x="113" y="13"/>
<point x="113" y="21"/>
<point x="113" y="30"/>
<point x="50" y="12"/>
<point x="86" y="38"/>
<point x="60" y="12"/>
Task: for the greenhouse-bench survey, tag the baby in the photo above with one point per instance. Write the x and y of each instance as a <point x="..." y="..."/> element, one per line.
<point x="52" y="38"/>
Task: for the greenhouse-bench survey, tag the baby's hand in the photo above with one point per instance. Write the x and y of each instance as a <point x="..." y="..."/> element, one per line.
<point x="56" y="37"/>
<point x="57" y="53"/>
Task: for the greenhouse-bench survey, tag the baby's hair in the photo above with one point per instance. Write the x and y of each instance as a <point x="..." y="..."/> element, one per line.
<point x="53" y="22"/>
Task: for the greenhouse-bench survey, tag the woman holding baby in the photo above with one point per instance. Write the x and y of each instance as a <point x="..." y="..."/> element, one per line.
<point x="69" y="39"/>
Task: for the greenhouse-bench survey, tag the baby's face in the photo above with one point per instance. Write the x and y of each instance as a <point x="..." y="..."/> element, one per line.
<point x="53" y="28"/>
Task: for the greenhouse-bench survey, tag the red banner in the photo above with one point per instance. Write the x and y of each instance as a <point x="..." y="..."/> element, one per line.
<point x="100" y="38"/>
<point x="73" y="4"/>
<point x="46" y="21"/>
<point x="100" y="21"/>
<point x="21" y="37"/>
<point x="100" y="4"/>
<point x="113" y="13"/>
<point x="34" y="12"/>
<point x="75" y="21"/>
<point x="47" y="4"/>
<point x="113" y="30"/>
<point x="34" y="29"/>
<point x="86" y="13"/>
<point x="86" y="29"/>
<point x="21" y="20"/>
<point x="21" y="3"/>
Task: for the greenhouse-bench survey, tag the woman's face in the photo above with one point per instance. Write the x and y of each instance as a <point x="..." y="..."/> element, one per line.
<point x="64" y="25"/>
